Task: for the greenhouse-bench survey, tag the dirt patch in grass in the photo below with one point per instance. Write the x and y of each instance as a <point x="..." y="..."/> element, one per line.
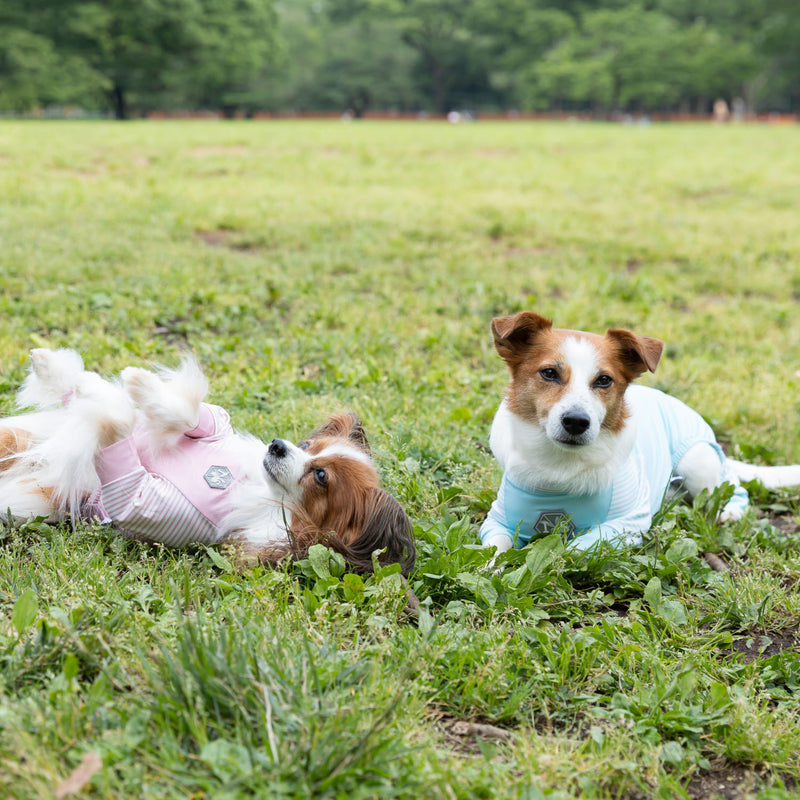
<point x="731" y="781"/>
<point x="227" y="237"/>
<point x="785" y="523"/>
<point x="633" y="265"/>
<point x="763" y="644"/>
<point x="215" y="238"/>
<point x="174" y="330"/>
<point x="206" y="151"/>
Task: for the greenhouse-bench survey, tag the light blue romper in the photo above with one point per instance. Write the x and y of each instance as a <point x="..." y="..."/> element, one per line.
<point x="666" y="429"/>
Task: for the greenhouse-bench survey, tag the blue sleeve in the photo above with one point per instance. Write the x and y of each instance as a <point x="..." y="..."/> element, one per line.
<point x="495" y="523"/>
<point x="492" y="528"/>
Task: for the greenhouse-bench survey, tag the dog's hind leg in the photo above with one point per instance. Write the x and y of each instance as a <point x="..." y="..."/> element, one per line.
<point x="703" y="469"/>
<point x="52" y="379"/>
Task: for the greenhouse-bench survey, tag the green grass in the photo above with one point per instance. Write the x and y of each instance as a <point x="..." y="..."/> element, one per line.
<point x="315" y="266"/>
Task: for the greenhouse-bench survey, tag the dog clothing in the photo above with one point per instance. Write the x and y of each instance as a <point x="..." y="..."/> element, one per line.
<point x="173" y="496"/>
<point x="666" y="429"/>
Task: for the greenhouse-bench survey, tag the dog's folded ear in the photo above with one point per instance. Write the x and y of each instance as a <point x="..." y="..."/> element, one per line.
<point x="513" y="334"/>
<point x="386" y="528"/>
<point x="637" y="353"/>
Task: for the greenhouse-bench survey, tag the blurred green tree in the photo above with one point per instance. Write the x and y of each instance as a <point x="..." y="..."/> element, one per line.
<point x="449" y="51"/>
<point x="203" y="50"/>
<point x="347" y="64"/>
<point x="422" y="54"/>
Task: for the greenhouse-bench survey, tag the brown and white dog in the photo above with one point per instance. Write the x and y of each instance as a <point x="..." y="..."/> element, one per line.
<point x="148" y="455"/>
<point x="587" y="454"/>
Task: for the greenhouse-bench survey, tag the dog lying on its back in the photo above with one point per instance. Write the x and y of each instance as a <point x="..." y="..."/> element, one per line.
<point x="147" y="454"/>
<point x="586" y="453"/>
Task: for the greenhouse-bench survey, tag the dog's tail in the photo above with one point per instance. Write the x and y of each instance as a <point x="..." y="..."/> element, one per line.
<point x="778" y="477"/>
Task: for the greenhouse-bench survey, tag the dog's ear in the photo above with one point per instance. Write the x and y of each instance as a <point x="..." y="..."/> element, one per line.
<point x="637" y="353"/>
<point x="345" y="425"/>
<point x="386" y="528"/>
<point x="514" y="334"/>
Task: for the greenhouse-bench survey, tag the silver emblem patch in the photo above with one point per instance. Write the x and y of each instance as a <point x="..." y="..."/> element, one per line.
<point x="550" y="520"/>
<point x="218" y="477"/>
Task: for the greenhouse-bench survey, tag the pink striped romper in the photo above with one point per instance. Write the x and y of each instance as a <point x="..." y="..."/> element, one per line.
<point x="173" y="496"/>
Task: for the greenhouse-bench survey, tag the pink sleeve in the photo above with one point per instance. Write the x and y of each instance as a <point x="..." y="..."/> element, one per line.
<point x="145" y="504"/>
<point x="117" y="460"/>
<point x="214" y="421"/>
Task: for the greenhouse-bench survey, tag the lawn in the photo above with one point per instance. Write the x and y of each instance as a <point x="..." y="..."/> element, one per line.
<point x="314" y="266"/>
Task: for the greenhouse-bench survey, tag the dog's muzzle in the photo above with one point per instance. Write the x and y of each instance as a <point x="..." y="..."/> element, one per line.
<point x="574" y="424"/>
<point x="276" y="452"/>
<point x="277" y="449"/>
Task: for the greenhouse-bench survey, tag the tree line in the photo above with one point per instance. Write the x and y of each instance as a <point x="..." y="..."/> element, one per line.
<point x="240" y="56"/>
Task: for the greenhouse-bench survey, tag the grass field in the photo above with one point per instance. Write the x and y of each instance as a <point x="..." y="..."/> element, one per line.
<point x="316" y="266"/>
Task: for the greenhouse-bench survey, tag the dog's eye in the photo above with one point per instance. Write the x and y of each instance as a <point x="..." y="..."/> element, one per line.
<point x="321" y="477"/>
<point x="550" y="374"/>
<point x="603" y="381"/>
<point x="304" y="445"/>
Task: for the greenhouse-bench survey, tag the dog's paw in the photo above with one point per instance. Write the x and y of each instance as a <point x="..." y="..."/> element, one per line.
<point x="143" y="387"/>
<point x="52" y="378"/>
<point x="729" y="514"/>
<point x="167" y="409"/>
<point x="55" y="366"/>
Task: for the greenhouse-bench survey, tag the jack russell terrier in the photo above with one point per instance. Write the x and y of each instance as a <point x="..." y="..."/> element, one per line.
<point x="589" y="455"/>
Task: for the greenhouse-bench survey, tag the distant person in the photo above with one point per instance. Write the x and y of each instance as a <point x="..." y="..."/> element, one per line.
<point x="721" y="111"/>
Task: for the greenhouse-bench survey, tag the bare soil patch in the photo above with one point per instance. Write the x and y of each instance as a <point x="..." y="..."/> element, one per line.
<point x="730" y="781"/>
<point x="464" y="736"/>
<point x="226" y="237"/>
<point x="763" y="644"/>
<point x="205" y="151"/>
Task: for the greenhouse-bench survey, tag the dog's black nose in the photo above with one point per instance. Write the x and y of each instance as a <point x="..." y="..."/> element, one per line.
<point x="575" y="422"/>
<point x="277" y="448"/>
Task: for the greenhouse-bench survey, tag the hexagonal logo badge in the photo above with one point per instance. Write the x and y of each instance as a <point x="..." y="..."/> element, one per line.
<point x="549" y="521"/>
<point x="218" y="477"/>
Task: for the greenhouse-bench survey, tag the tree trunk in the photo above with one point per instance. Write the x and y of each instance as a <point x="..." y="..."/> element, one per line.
<point x="117" y="98"/>
<point x="437" y="70"/>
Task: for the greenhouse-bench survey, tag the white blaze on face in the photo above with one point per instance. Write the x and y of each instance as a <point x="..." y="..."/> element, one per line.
<point x="578" y="398"/>
<point x="344" y="449"/>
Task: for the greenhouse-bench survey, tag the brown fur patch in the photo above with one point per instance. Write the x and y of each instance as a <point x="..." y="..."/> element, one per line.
<point x="13" y="441"/>
<point x="381" y="524"/>
<point x="346" y="425"/>
<point x="340" y="505"/>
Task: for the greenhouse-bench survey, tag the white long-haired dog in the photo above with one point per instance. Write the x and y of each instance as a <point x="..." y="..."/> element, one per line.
<point x="145" y="453"/>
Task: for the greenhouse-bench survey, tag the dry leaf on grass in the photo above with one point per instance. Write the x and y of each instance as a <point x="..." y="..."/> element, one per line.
<point x="80" y="776"/>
